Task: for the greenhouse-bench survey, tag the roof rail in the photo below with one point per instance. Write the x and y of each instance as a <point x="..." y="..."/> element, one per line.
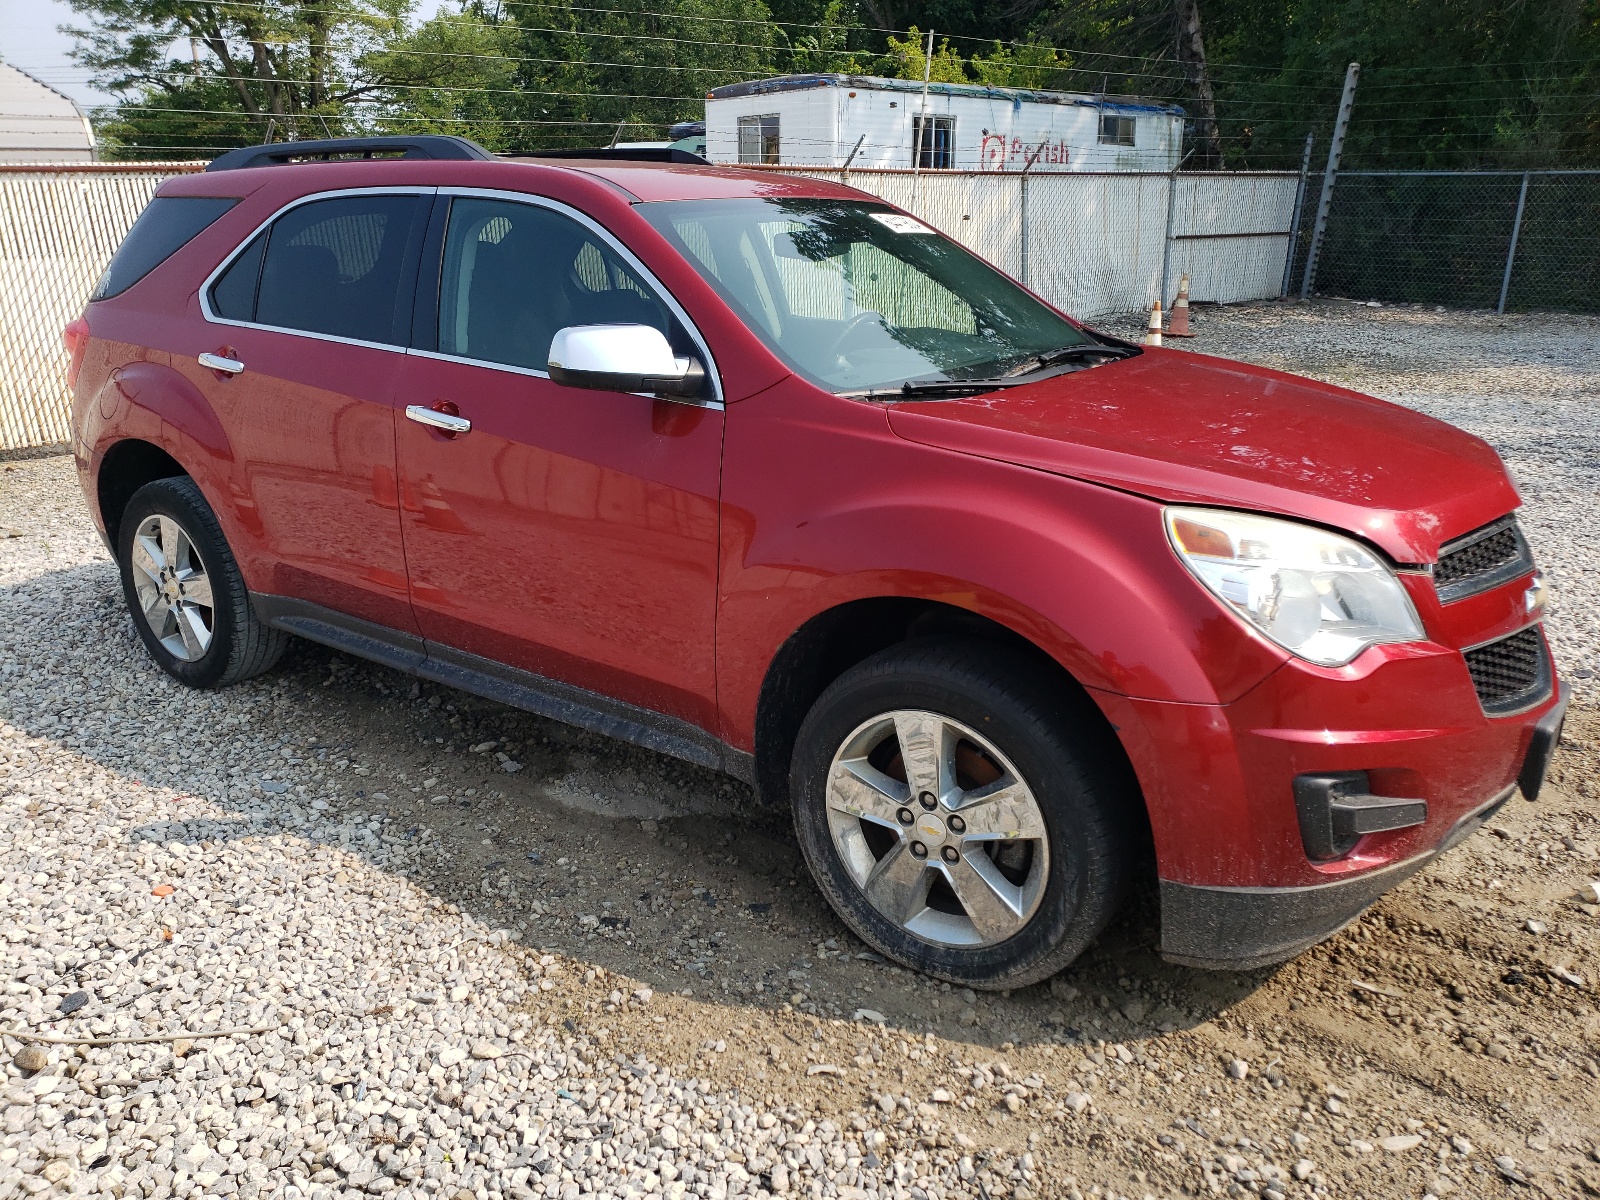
<point x="426" y="146"/>
<point x="655" y="154"/>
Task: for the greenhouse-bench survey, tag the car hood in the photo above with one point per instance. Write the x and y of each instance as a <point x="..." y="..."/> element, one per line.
<point x="1183" y="427"/>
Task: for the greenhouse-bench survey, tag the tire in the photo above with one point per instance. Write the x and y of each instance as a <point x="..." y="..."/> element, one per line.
<point x="174" y="560"/>
<point x="1008" y="892"/>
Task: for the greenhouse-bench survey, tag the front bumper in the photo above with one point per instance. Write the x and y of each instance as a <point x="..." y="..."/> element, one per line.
<point x="1238" y="928"/>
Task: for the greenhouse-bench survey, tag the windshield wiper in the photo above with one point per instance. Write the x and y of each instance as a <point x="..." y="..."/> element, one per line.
<point x="1016" y="377"/>
<point x="936" y="387"/>
<point x="1052" y="358"/>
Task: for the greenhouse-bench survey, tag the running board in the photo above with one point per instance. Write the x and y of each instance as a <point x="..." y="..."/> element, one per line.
<point x="508" y="685"/>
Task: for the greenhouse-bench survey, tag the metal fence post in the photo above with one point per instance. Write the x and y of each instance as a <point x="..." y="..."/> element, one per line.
<point x="844" y="171"/>
<point x="1022" y="204"/>
<point x="1335" y="149"/>
<point x="1511" y="250"/>
<point x="922" y="121"/>
<point x="1294" y="225"/>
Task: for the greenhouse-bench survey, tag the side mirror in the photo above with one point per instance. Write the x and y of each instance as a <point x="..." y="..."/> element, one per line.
<point x="622" y="358"/>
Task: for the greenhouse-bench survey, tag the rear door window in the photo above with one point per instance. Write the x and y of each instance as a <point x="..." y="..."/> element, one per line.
<point x="167" y="224"/>
<point x="342" y="267"/>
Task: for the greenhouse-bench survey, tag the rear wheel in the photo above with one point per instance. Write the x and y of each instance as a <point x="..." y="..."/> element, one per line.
<point x="958" y="815"/>
<point x="188" y="599"/>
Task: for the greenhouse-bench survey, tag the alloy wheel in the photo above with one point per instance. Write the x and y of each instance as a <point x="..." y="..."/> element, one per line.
<point x="937" y="829"/>
<point x="173" y="587"/>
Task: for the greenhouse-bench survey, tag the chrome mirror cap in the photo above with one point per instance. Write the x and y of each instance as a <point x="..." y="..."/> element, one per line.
<point x="622" y="358"/>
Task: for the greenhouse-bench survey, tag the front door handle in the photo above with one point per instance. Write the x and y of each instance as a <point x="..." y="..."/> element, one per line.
<point x="448" y="422"/>
<point x="216" y="362"/>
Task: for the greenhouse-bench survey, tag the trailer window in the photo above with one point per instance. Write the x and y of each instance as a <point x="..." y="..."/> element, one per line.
<point x="936" y="146"/>
<point x="1116" y="130"/>
<point x="758" y="139"/>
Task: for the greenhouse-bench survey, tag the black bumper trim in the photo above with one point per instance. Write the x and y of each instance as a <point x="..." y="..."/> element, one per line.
<point x="1238" y="929"/>
<point x="1546" y="736"/>
<point x="1337" y="809"/>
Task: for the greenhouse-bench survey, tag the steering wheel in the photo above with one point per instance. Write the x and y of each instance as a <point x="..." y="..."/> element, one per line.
<point x="852" y="327"/>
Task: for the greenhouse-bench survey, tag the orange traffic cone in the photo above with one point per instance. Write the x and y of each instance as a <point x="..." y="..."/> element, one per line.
<point x="1179" y="325"/>
<point x="1152" y="335"/>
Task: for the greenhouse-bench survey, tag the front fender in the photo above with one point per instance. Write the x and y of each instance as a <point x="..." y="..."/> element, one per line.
<point x="825" y="507"/>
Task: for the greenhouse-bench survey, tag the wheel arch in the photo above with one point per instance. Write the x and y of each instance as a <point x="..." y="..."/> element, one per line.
<point x="126" y="467"/>
<point x="836" y="639"/>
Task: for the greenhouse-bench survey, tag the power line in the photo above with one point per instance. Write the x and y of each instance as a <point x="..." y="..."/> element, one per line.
<point x="1217" y="72"/>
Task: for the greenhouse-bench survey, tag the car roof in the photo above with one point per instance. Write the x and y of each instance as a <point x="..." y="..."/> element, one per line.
<point x="685" y="181"/>
<point x="643" y="182"/>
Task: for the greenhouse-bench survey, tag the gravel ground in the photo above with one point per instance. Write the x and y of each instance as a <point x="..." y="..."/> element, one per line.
<point x="516" y="960"/>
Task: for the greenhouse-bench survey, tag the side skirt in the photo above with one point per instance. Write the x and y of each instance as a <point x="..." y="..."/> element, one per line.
<point x="508" y="685"/>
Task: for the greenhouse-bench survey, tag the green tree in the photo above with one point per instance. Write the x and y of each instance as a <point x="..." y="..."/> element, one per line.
<point x="907" y="58"/>
<point x="552" y="74"/>
<point x="206" y="73"/>
<point x="456" y="73"/>
<point x="1446" y="83"/>
<point x="1030" y="64"/>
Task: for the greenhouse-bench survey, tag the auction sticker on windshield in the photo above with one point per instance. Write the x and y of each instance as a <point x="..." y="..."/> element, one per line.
<point x="901" y="223"/>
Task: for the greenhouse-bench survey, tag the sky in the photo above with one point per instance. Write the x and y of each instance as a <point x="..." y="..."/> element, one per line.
<point x="28" y="39"/>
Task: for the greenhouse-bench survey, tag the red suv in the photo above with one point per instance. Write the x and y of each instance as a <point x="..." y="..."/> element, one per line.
<point x="766" y="474"/>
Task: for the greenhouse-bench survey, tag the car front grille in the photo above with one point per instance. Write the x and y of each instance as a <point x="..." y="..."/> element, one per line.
<point x="1482" y="559"/>
<point x="1511" y="674"/>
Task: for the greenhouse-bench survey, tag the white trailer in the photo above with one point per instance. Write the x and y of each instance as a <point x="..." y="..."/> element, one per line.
<point x="829" y="120"/>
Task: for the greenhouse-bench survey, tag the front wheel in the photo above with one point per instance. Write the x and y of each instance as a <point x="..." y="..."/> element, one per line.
<point x="184" y="589"/>
<point x="960" y="815"/>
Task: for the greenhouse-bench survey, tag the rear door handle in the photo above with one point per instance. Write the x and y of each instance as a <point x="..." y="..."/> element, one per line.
<point x="432" y="417"/>
<point x="216" y="362"/>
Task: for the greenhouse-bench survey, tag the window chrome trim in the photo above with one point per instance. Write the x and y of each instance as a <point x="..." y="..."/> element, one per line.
<point x="712" y="373"/>
<point x="212" y="318"/>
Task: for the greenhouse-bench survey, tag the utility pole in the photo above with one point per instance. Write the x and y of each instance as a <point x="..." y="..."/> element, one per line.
<point x="922" y="121"/>
<point x="1335" y="149"/>
<point x="1192" y="57"/>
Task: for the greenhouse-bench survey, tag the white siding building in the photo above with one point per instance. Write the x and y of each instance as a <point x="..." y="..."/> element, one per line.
<point x="820" y="120"/>
<point x="39" y="124"/>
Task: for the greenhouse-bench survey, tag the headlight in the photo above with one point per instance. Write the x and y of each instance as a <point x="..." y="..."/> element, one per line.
<point x="1322" y="597"/>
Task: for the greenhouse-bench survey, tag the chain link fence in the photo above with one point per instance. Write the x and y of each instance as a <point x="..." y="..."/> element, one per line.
<point x="1507" y="240"/>
<point x="1101" y="243"/>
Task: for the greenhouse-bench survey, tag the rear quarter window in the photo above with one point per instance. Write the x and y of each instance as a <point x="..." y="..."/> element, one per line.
<point x="166" y="225"/>
<point x="343" y="266"/>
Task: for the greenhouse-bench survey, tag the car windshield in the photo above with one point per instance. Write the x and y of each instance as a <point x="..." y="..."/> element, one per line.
<point x="858" y="297"/>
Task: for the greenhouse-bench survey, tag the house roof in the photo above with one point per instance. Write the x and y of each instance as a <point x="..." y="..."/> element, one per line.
<point x="40" y="124"/>
<point x="981" y="91"/>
